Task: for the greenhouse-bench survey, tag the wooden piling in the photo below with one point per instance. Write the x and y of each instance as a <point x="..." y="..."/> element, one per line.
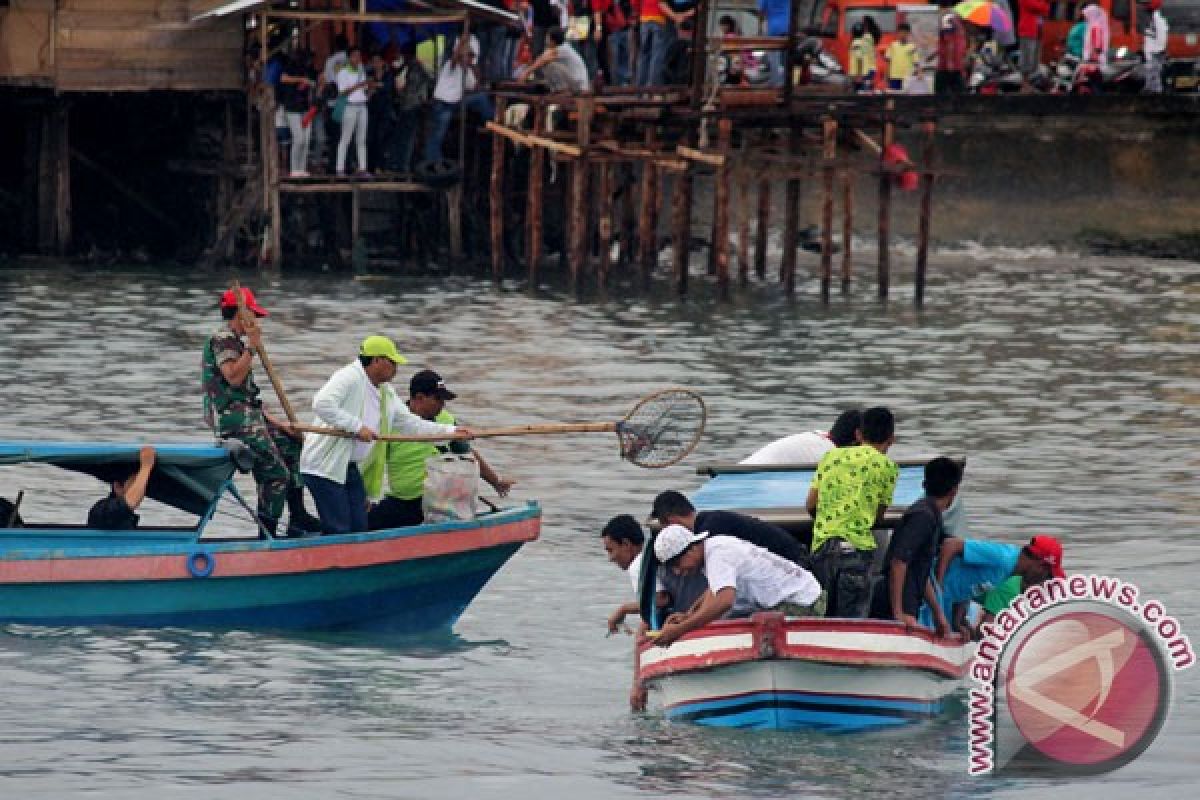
<point x="628" y="224"/>
<point x="496" y="209"/>
<point x="454" y="198"/>
<point x="648" y="216"/>
<point x="885" y="200"/>
<point x="720" y="232"/>
<point x="534" y="201"/>
<point x="847" y="228"/>
<point x="928" y="129"/>
<point x="681" y="227"/>
<point x="762" y="228"/>
<point x="605" y="224"/>
<point x="577" y="208"/>
<point x="791" y="223"/>
<point x="829" y="132"/>
<point x="741" y="209"/>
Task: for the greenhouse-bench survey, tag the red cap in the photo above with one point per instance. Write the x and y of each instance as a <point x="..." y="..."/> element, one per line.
<point x="229" y="300"/>
<point x="1048" y="549"/>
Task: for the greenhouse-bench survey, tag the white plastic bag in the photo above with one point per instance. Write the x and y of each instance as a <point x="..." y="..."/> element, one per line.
<point x="451" y="486"/>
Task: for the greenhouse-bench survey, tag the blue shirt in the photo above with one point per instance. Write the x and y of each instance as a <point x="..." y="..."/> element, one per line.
<point x="982" y="567"/>
<point x="778" y="14"/>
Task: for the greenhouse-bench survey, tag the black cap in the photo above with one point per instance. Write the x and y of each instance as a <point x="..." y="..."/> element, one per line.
<point x="429" y="382"/>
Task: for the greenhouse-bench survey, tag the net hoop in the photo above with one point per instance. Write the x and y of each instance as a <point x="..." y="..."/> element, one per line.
<point x="663" y="428"/>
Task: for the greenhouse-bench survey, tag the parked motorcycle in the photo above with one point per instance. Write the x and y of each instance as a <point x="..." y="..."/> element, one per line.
<point x="990" y="74"/>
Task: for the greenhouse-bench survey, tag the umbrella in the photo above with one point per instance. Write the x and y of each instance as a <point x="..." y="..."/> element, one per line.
<point x="986" y="14"/>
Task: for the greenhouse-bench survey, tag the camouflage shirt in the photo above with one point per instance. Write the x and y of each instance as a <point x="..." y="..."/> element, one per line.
<point x="226" y="406"/>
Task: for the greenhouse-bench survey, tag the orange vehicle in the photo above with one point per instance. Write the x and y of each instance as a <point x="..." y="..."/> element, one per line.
<point x="1126" y="21"/>
<point x="833" y="21"/>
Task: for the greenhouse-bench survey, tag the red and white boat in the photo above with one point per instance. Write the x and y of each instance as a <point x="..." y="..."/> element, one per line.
<point x="771" y="671"/>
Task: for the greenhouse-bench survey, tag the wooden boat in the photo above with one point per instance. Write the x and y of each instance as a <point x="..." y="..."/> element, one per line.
<point x="406" y="579"/>
<point x="768" y="671"/>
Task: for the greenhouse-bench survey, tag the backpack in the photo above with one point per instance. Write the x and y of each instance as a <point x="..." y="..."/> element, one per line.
<point x="417" y="88"/>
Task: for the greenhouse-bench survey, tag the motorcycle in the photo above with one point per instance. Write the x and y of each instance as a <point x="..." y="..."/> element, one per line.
<point x="992" y="74"/>
<point x="1123" y="74"/>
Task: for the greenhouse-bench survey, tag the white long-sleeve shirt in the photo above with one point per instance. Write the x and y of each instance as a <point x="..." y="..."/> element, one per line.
<point x="1155" y="41"/>
<point x="342" y="403"/>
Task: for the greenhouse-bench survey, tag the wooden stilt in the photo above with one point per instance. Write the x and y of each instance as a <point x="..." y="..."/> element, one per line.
<point x="885" y="201"/>
<point x="762" y="228"/>
<point x="829" y="131"/>
<point x="577" y="212"/>
<point x="681" y="227"/>
<point x="454" y="197"/>
<point x="741" y="209"/>
<point x="604" y="233"/>
<point x="928" y="129"/>
<point x="720" y="232"/>
<point x="648" y="217"/>
<point x="496" y="206"/>
<point x="847" y="228"/>
<point x="534" y="202"/>
<point x="628" y="215"/>
<point x="791" y="222"/>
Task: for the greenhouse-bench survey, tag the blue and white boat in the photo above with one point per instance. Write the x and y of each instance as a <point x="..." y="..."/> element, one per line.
<point x="775" y="672"/>
<point x="406" y="580"/>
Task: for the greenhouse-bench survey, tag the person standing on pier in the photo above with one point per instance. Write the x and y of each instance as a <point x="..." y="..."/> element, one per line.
<point x="560" y="65"/>
<point x="352" y="84"/>
<point x="456" y="90"/>
<point x="357" y="400"/>
<point x="1029" y="33"/>
<point x="296" y="86"/>
<point x="1154" y="46"/>
<point x="902" y="58"/>
<point x="233" y="410"/>
<point x="951" y="56"/>
<point x="654" y="40"/>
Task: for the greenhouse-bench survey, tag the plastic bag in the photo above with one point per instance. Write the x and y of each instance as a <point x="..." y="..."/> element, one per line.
<point x="451" y="486"/>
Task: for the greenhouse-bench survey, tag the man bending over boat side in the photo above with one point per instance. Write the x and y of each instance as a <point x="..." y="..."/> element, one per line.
<point x="672" y="508"/>
<point x="742" y="579"/>
<point x="401" y="504"/>
<point x="115" y="512"/>
<point x="849" y="495"/>
<point x="357" y="399"/>
<point x="969" y="569"/>
<point x="914" y="547"/>
<point x="234" y="410"/>
<point x="624" y="541"/>
<point x="810" y="446"/>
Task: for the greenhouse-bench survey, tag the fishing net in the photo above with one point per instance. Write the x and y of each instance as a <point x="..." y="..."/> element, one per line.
<point x="663" y="428"/>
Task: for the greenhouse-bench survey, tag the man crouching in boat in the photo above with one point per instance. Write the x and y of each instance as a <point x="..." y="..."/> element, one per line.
<point x="233" y="410"/>
<point x="742" y="579"/>
<point x="401" y="505"/>
<point x="115" y="512"/>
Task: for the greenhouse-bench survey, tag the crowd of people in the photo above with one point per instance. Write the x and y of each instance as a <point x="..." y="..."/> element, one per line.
<point x="721" y="564"/>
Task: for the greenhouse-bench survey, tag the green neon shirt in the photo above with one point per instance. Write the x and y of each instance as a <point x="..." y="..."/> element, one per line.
<point x="852" y="483"/>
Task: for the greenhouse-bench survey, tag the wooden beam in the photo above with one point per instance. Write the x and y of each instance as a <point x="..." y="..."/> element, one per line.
<point x="693" y="154"/>
<point x="404" y="18"/>
<point x="534" y="140"/>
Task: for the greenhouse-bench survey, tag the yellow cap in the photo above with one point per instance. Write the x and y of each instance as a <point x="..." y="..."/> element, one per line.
<point x="381" y="346"/>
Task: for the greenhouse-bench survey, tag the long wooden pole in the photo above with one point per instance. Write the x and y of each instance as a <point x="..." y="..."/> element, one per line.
<point x="250" y="323"/>
<point x="741" y="209"/>
<point x="720" y="232"/>
<point x="577" y="210"/>
<point x="847" y="228"/>
<point x="534" y="202"/>
<point x="885" y="202"/>
<point x="928" y="129"/>
<point x="791" y="222"/>
<point x="496" y="209"/>
<point x="829" y="130"/>
<point x="762" y="228"/>
<point x="517" y="430"/>
<point x="681" y="225"/>
<point x="648" y="217"/>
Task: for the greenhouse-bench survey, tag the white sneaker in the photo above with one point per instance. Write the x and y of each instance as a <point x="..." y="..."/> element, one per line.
<point x="299" y="174"/>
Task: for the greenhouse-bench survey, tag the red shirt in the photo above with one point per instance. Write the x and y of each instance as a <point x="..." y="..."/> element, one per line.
<point x="1029" y="17"/>
<point x="952" y="48"/>
<point x="648" y="11"/>
<point x="611" y="15"/>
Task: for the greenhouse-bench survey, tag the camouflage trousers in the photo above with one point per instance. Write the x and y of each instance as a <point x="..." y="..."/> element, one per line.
<point x="276" y="460"/>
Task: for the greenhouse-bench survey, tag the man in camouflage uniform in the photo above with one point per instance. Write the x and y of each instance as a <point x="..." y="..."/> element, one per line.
<point x="233" y="410"/>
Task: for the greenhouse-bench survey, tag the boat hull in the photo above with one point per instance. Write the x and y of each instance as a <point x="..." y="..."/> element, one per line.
<point x="770" y="672"/>
<point x="406" y="580"/>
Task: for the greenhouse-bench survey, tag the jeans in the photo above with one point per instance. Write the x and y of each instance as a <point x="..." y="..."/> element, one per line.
<point x="845" y="575"/>
<point x="392" y="512"/>
<point x="342" y="507"/>
<point x="405" y="140"/>
<point x="1031" y="51"/>
<point x="775" y="76"/>
<point x="354" y="123"/>
<point x="618" y="58"/>
<point x="300" y="139"/>
<point x="654" y="39"/>
<point x="440" y="114"/>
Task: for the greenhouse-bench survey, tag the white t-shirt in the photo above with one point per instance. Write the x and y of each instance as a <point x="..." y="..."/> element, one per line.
<point x="635" y="572"/>
<point x="799" y="448"/>
<point x="453" y="81"/>
<point x="760" y="579"/>
<point x="349" y="76"/>
<point x="370" y="419"/>
<point x="1156" y="35"/>
<point x="333" y="64"/>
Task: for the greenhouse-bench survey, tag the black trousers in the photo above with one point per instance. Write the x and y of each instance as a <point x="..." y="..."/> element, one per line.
<point x="844" y="574"/>
<point x="392" y="512"/>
